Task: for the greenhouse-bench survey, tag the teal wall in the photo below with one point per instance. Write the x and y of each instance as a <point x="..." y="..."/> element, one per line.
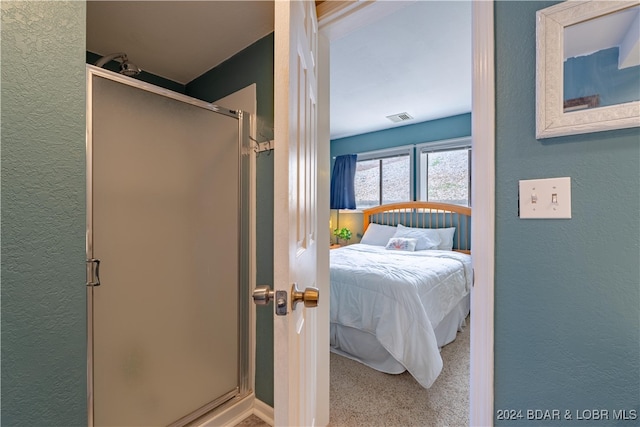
<point x="567" y="292"/>
<point x="253" y="65"/>
<point x="43" y="214"/>
<point x="434" y="130"/>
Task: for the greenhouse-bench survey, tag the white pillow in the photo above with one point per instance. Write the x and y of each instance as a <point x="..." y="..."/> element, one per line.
<point x="446" y="238"/>
<point x="378" y="235"/>
<point x="427" y="238"/>
<point x="402" y="244"/>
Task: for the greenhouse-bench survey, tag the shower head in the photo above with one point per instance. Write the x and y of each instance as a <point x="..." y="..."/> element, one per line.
<point x="127" y="68"/>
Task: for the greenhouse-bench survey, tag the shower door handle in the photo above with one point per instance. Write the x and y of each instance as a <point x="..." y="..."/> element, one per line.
<point x="93" y="272"/>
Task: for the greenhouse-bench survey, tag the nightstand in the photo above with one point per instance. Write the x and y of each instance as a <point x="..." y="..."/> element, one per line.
<point x="335" y="246"/>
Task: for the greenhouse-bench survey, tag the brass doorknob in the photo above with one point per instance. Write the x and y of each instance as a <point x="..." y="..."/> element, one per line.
<point x="309" y="296"/>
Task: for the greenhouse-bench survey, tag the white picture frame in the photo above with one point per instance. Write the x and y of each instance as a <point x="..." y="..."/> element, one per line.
<point x="552" y="119"/>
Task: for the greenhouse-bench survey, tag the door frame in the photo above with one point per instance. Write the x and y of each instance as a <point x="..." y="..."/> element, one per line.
<point x="330" y="15"/>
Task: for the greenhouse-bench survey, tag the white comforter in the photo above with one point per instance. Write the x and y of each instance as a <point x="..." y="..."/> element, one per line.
<point x="400" y="297"/>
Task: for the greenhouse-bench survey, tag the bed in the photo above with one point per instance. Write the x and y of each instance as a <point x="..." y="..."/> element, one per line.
<point x="402" y="293"/>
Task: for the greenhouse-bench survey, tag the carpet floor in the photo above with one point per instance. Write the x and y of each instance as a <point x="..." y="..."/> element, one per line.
<point x="361" y="396"/>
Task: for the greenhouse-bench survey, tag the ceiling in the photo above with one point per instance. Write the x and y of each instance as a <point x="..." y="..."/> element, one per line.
<point x="411" y="57"/>
<point x="178" y="40"/>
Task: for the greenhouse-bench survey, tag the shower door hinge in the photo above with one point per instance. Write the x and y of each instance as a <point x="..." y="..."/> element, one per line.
<point x="93" y="272"/>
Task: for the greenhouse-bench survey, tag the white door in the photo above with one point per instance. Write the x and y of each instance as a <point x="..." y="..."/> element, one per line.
<point x="295" y="212"/>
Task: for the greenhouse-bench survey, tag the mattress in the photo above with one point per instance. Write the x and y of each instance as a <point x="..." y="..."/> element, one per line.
<point x="401" y="299"/>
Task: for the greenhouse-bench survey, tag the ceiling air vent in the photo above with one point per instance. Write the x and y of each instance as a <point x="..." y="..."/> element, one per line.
<point x="400" y="117"/>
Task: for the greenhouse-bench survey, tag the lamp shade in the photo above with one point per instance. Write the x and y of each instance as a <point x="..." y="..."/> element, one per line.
<point x="343" y="194"/>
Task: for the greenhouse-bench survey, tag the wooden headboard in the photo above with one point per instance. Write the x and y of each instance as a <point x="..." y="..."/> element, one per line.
<point x="425" y="215"/>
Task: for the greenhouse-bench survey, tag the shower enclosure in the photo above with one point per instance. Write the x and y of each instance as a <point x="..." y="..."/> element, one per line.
<point x="167" y="253"/>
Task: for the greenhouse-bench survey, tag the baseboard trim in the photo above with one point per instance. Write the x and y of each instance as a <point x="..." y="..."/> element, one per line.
<point x="263" y="411"/>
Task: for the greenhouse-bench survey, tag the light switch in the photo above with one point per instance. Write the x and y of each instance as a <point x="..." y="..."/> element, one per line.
<point x="545" y="198"/>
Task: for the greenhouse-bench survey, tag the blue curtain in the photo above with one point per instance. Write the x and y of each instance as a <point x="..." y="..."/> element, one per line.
<point x="343" y="195"/>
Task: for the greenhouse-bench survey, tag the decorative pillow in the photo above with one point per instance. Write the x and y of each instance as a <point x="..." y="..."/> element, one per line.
<point x="378" y="235"/>
<point x="446" y="238"/>
<point x="427" y="238"/>
<point x="402" y="244"/>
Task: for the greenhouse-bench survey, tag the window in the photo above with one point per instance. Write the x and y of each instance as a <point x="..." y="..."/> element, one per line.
<point x="383" y="177"/>
<point x="445" y="171"/>
<point x="443" y="174"/>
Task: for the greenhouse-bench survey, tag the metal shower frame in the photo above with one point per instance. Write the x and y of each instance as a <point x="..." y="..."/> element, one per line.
<point x="244" y="236"/>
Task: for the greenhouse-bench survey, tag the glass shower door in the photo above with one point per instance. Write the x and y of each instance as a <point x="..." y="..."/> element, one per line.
<point x="164" y="223"/>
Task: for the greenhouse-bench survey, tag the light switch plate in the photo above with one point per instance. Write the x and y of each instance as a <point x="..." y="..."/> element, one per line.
<point x="545" y="198"/>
